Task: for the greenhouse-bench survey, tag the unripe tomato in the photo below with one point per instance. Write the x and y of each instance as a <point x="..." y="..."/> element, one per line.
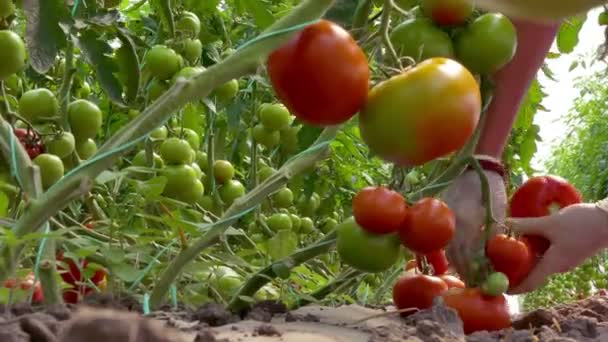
<point x="156" y="88"/>
<point x="193" y="49"/>
<point x="296" y="222"/>
<point x="162" y="62"/>
<point x="365" y="251"/>
<point x="84" y="90"/>
<point x="197" y="169"/>
<point x="223" y="171"/>
<point x="417" y="291"/>
<point x="85" y="119"/>
<point x="477" y="311"/>
<point x="278" y="222"/>
<point x="448" y="12"/>
<point x="190" y="136"/>
<point x="187" y="73"/>
<point x="451" y="281"/>
<point x="321" y="75"/>
<point x="140" y="160"/>
<point x="181" y="183"/>
<point x="13" y="84"/>
<point x="496" y="284"/>
<point x="188" y="24"/>
<point x="379" y="210"/>
<point x="12" y="53"/>
<point x="283" y="198"/>
<point x="227" y="91"/>
<point x="422" y="114"/>
<point x="429" y="226"/>
<point x="274" y="116"/>
<point x="289" y="139"/>
<point x="159" y="133"/>
<point x="487" y="44"/>
<point x="176" y="151"/>
<point x="37" y="104"/>
<point x="231" y="190"/>
<point x="265" y="172"/>
<point x="309" y="205"/>
<point x="420" y="39"/>
<point x="306" y="225"/>
<point x="61" y="145"/>
<point x="511" y="257"/>
<point x="51" y="169"/>
<point x="265" y="136"/>
<point x="328" y="225"/>
<point x="86" y="149"/>
<point x="7" y="8"/>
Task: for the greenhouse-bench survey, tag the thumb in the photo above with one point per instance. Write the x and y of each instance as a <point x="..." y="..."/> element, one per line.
<point x="529" y="225"/>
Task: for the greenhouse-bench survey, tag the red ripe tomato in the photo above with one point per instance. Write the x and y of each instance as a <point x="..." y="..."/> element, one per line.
<point x="477" y="311"/>
<point x="511" y="257"/>
<point x="452" y="281"/>
<point x="417" y="291"/>
<point x="28" y="282"/>
<point x="379" y="210"/>
<point x="429" y="226"/>
<point x="447" y="12"/>
<point x="437" y="260"/>
<point x="321" y="75"/>
<point x="31" y="141"/>
<point x="74" y="277"/>
<point x="542" y="196"/>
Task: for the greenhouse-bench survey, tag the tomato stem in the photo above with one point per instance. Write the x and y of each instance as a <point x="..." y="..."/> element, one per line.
<point x="360" y="19"/>
<point x="384" y="28"/>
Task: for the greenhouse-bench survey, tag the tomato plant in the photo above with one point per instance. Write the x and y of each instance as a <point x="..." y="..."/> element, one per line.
<point x="428" y="227"/>
<point x="422" y="114"/>
<point x="316" y="69"/>
<point x="417" y="291"/>
<point x="379" y="210"/>
<point x="477" y="311"/>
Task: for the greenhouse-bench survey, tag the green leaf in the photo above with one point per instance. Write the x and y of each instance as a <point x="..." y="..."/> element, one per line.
<point x="4" y="202"/>
<point x="125" y="272"/>
<point x="307" y="135"/>
<point x="163" y="8"/>
<point x="261" y="14"/>
<point x="567" y="37"/>
<point x="573" y="66"/>
<point x="342" y="12"/>
<point x="114" y="255"/>
<point x="128" y="64"/>
<point x="152" y="188"/>
<point x="43" y="36"/>
<point x="97" y="52"/>
<point x="528" y="147"/>
<point x="282" y="244"/>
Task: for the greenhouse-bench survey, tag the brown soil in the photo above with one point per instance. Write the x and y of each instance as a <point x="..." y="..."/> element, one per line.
<point x="101" y="318"/>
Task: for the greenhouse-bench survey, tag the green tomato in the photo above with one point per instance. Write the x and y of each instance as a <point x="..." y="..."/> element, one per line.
<point x="140" y="160"/>
<point x="188" y="24"/>
<point x="197" y="169"/>
<point x="308" y="206"/>
<point x="86" y="149"/>
<point x="283" y="198"/>
<point x="420" y="39"/>
<point x="187" y="73"/>
<point x="206" y="202"/>
<point x="202" y="160"/>
<point x="193" y="49"/>
<point x="182" y="184"/>
<point x="307" y="226"/>
<point x="190" y="136"/>
<point x="231" y="190"/>
<point x="366" y="251"/>
<point x="13" y="84"/>
<point x="156" y="88"/>
<point x="7" y="8"/>
<point x="265" y="137"/>
<point x="223" y="171"/>
<point x="51" y="169"/>
<point x="274" y="117"/>
<point x="37" y="104"/>
<point x="329" y="225"/>
<point x="85" y="119"/>
<point x="289" y="139"/>
<point x="265" y="172"/>
<point x="61" y="145"/>
<point x="159" y="133"/>
<point x="84" y="90"/>
<point x="278" y="222"/>
<point x="176" y="151"/>
<point x="227" y="91"/>
<point x="296" y="222"/>
<point x="487" y="44"/>
<point x="496" y="284"/>
<point x="12" y="53"/>
<point x="162" y="62"/>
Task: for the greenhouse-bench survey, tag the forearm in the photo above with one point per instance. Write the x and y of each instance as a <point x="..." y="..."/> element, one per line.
<point x="512" y="84"/>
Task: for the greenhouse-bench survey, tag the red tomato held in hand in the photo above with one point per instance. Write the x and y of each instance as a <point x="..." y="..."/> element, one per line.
<point x="437" y="260"/>
<point x="542" y="196"/>
<point x="511" y="257"/>
<point x="321" y="75"/>
<point x="452" y="281"/>
<point x="379" y="210"/>
<point x="429" y="226"/>
<point x="417" y="291"/>
<point x="447" y="12"/>
<point x="477" y="311"/>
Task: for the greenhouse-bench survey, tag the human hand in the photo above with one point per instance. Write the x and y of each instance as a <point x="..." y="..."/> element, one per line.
<point x="576" y="233"/>
<point x="464" y="198"/>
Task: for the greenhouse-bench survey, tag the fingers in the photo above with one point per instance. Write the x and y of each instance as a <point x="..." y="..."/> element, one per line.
<point x="531" y="225"/>
<point x="549" y="264"/>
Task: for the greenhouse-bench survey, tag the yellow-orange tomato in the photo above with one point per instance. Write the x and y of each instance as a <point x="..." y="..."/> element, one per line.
<point x="423" y="113"/>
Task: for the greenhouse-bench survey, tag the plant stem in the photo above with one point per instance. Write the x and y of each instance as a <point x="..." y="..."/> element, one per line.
<point x="265" y="275"/>
<point x="246" y="60"/>
<point x="384" y="28"/>
<point x="486" y="198"/>
<point x="240" y="206"/>
<point x="336" y="286"/>
<point x="66" y="84"/>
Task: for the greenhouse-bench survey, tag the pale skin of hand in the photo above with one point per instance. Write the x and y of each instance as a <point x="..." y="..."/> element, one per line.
<point x="576" y="233"/>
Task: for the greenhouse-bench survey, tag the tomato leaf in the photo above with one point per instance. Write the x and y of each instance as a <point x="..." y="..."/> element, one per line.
<point x="97" y="53"/>
<point x="567" y="37"/>
<point x="342" y="12"/>
<point x="528" y="148"/>
<point x="114" y="255"/>
<point x="125" y="272"/>
<point x="4" y="202"/>
<point x="259" y="9"/>
<point x="163" y="7"/>
<point x="152" y="188"/>
<point x="128" y="64"/>
<point x="44" y="36"/>
<point x="282" y="244"/>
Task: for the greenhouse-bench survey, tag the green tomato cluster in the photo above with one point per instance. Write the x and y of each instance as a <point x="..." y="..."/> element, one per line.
<point x="274" y="127"/>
